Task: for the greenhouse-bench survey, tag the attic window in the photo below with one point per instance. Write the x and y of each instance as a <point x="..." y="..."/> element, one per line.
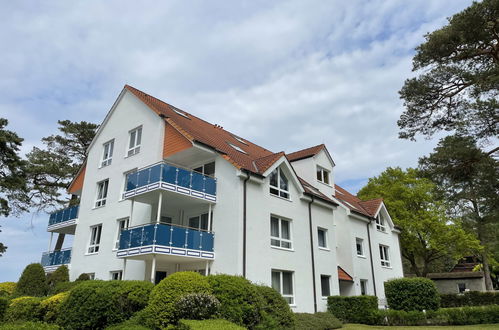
<point x="178" y="112"/>
<point x="239" y="139"/>
<point x="237" y="148"/>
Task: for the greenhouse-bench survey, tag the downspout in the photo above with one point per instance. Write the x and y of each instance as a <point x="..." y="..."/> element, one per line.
<point x="371" y="255"/>
<point x="244" y="223"/>
<point x="312" y="251"/>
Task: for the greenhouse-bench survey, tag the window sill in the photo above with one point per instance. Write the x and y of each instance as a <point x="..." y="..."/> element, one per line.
<point x="324" y="298"/>
<point x="361" y="256"/>
<point x="98" y="207"/>
<point x="382" y="231"/>
<point x="324" y="248"/>
<point x="128" y="156"/>
<point x="102" y="166"/>
<point x="281" y="248"/>
<point x="284" y="199"/>
<point x="292" y="305"/>
<point x="387" y="267"/>
<point x="91" y="254"/>
<point x="326" y="184"/>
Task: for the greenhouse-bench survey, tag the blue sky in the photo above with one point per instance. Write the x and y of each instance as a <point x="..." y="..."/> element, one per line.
<point x="286" y="75"/>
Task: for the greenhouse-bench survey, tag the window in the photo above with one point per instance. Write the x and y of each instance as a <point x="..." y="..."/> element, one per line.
<point x="239" y="139"/>
<point x="178" y="112"/>
<point x="359" y="242"/>
<point x="116" y="275"/>
<point x="380" y="223"/>
<point x="237" y="148"/>
<point x="279" y="183"/>
<point x="325" y="285"/>
<point x="384" y="256"/>
<point x="107" y="155"/>
<point x="363" y="287"/>
<point x="322" y="237"/>
<point x="101" y="193"/>
<point x="122" y="224"/>
<point x="280" y="232"/>
<point x="322" y="175"/>
<point x="135" y="140"/>
<point x="461" y="287"/>
<point x="166" y="220"/>
<point x="282" y="282"/>
<point x="91" y="276"/>
<point x="199" y="222"/>
<point x="206" y="169"/>
<point x="95" y="233"/>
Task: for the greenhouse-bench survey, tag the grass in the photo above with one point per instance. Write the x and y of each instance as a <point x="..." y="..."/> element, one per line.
<point x="460" y="327"/>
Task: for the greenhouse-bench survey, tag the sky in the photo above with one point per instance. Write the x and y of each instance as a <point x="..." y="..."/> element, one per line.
<point x="283" y="74"/>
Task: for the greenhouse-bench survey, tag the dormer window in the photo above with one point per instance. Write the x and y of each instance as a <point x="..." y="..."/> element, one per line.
<point x="279" y="183"/>
<point x="380" y="223"/>
<point x="322" y="175"/>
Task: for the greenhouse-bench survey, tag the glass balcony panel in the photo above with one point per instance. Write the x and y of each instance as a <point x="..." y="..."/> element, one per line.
<point x="197" y="181"/>
<point x="136" y="237"/>
<point x="55" y="258"/>
<point x="131" y="180"/>
<point x="148" y="235"/>
<point x="73" y="212"/>
<point x="163" y="233"/>
<point x="124" y="239"/>
<point x="169" y="174"/>
<point x="184" y="178"/>
<point x="45" y="259"/>
<point x="207" y="241"/>
<point x="143" y="178"/>
<point x="178" y="237"/>
<point x="65" y="215"/>
<point x="155" y="175"/>
<point x="210" y="186"/>
<point x="193" y="239"/>
<point x="58" y="217"/>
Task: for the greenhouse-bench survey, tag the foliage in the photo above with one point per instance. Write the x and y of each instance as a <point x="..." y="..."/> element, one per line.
<point x="4" y="304"/>
<point x="96" y="304"/>
<point x="412" y="294"/>
<point x="23" y="309"/>
<point x="402" y="318"/>
<point x="471" y="298"/>
<point x="208" y="325"/>
<point x="275" y="313"/>
<point x="240" y="301"/>
<point x="457" y="86"/>
<point x="32" y="282"/>
<point x="51" y="306"/>
<point x="354" y="309"/>
<point x="28" y="326"/>
<point x="427" y="235"/>
<point x="196" y="306"/>
<point x="127" y="325"/>
<point x="317" y="321"/>
<point x="165" y="295"/>
<point x="7" y="288"/>
<point x="64" y="286"/>
<point x="51" y="170"/>
<point x="83" y="277"/>
<point x="60" y="275"/>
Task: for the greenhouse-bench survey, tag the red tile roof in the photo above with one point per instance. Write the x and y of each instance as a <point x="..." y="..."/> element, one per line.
<point x="263" y="164"/>
<point x="343" y="276"/>
<point x="355" y="204"/>
<point x="305" y="153"/>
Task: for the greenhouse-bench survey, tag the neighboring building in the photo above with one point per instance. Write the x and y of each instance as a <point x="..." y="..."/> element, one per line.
<point x="164" y="191"/>
<point x="460" y="278"/>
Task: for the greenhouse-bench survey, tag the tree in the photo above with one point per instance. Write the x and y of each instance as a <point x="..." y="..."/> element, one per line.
<point x="60" y="275"/>
<point x="32" y="282"/>
<point x="457" y="87"/>
<point x="50" y="170"/>
<point x="469" y="178"/>
<point x="3" y="248"/>
<point x="427" y="234"/>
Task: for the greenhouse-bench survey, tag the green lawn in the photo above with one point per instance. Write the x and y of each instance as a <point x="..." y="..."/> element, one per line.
<point x="460" y="327"/>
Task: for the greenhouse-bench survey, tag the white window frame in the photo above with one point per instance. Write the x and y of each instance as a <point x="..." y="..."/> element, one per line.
<point x="279" y="192"/>
<point x="116" y="273"/>
<point x="329" y="285"/>
<point x="200" y="221"/>
<point x="95" y="238"/>
<point x="291" y="296"/>
<point x="384" y="255"/>
<point x="322" y="178"/>
<point x="91" y="276"/>
<point x="102" y="191"/>
<point x="107" y="153"/>
<point x="280" y="240"/>
<point x="134" y="148"/>
<point x="326" y="241"/>
<point x="380" y="223"/>
<point x="359" y="241"/>
<point x="202" y="168"/>
<point x="119" y="227"/>
<point x="363" y="284"/>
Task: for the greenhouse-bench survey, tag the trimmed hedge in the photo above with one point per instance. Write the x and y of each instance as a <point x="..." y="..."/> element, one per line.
<point x="32" y="282"/>
<point x="196" y="306"/>
<point x="207" y="325"/>
<point x="7" y="288"/>
<point x="51" y="306"/>
<point x="4" y="304"/>
<point x="164" y="296"/>
<point x="470" y="298"/>
<point x="354" y="309"/>
<point x="317" y="321"/>
<point x="97" y="304"/>
<point x="28" y="326"/>
<point x="401" y="318"/>
<point x="60" y="275"/>
<point x="276" y="313"/>
<point x="23" y="309"/>
<point x="64" y="287"/>
<point x="412" y="294"/>
<point x="240" y="300"/>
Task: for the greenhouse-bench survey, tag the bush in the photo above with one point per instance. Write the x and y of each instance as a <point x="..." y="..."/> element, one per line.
<point x="23" y="309"/>
<point x="4" y="304"/>
<point x="207" y="325"/>
<point x="50" y="307"/>
<point x="32" y="282"/>
<point x="7" y="288"/>
<point x="28" y="326"/>
<point x="196" y="306"/>
<point x="97" y="304"/>
<point x="412" y="294"/>
<point x="64" y="287"/>
<point x="464" y="315"/>
<point x="127" y="325"/>
<point x="317" y="321"/>
<point x="165" y="295"/>
<point x="401" y="318"/>
<point x="354" y="309"/>
<point x="60" y="275"/>
<point x="275" y="313"/>
<point x="471" y="298"/>
<point x="83" y="277"/>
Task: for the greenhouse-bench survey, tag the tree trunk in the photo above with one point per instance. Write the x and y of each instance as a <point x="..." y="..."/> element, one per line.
<point x="486" y="272"/>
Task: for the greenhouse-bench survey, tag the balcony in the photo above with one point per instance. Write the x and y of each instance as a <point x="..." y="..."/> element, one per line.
<point x="166" y="239"/>
<point x="64" y="221"/>
<point x="169" y="177"/>
<point x="54" y="259"/>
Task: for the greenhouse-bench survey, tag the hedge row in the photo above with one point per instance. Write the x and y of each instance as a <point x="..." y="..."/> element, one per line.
<point x="317" y="321"/>
<point x="471" y="298"/>
<point x="354" y="309"/>
<point x="207" y="325"/>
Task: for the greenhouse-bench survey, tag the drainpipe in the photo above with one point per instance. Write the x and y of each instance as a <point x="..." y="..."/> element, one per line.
<point x="371" y="255"/>
<point x="244" y="223"/>
<point x="312" y="251"/>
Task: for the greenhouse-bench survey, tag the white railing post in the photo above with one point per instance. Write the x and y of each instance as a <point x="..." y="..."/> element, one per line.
<point x="153" y="268"/>
<point x="50" y="240"/>
<point x="209" y="217"/>
<point x="160" y="202"/>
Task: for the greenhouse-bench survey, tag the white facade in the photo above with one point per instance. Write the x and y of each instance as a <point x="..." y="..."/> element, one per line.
<point x="240" y="220"/>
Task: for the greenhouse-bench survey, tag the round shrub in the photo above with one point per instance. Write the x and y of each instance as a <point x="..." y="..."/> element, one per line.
<point x="165" y="295"/>
<point x="240" y="301"/>
<point x="97" y="304"/>
<point x="83" y="277"/>
<point x="196" y="306"/>
<point x="317" y="321"/>
<point x="412" y="294"/>
<point x="275" y="313"/>
<point x="23" y="309"/>
<point x="7" y="288"/>
<point x="32" y="282"/>
<point x="60" y="275"/>
<point x="50" y="307"/>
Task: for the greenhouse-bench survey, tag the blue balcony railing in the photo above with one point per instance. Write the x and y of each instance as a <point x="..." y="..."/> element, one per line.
<point x="166" y="235"/>
<point x="66" y="214"/>
<point x="176" y="178"/>
<point x="56" y="258"/>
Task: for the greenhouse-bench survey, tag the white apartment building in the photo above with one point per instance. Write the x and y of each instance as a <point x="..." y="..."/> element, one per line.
<point x="163" y="191"/>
